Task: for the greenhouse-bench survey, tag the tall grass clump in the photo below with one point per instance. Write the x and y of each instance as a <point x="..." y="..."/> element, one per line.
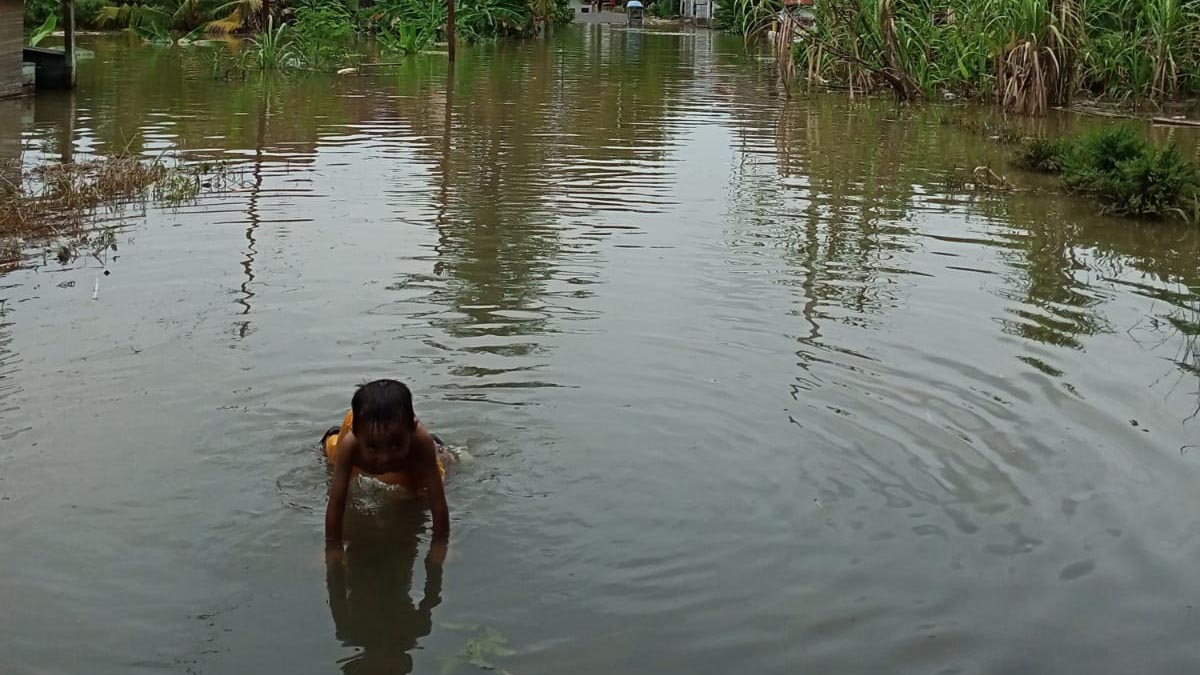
<point x="1032" y="53"/>
<point x="1029" y="55"/>
<point x="271" y="50"/>
<point x="746" y="17"/>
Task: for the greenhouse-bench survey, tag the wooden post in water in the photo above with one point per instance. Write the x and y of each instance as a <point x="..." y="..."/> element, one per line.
<point x="450" y="29"/>
<point x="68" y="24"/>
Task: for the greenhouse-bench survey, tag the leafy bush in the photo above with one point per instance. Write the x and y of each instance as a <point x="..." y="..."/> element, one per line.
<point x="1042" y="155"/>
<point x="484" y="19"/>
<point x="321" y="32"/>
<point x="399" y="23"/>
<point x="563" y="13"/>
<point x="87" y="12"/>
<point x="1124" y="171"/>
<point x="1155" y="183"/>
<point x="404" y="37"/>
<point x="37" y="11"/>
<point x="1095" y="158"/>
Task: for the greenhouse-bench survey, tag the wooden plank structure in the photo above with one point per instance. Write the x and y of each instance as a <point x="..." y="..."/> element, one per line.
<point x="55" y="67"/>
<point x="12" y="39"/>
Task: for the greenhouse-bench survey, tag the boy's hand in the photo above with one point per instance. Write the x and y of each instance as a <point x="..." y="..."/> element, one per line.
<point x="339" y="490"/>
<point x="436" y="492"/>
<point x="334" y="556"/>
<point x="438" y="551"/>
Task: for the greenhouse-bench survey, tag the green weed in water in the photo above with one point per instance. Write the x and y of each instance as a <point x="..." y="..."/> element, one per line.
<point x="1154" y="184"/>
<point x="1095" y="158"/>
<point x="1123" y="170"/>
<point x="405" y="38"/>
<point x="271" y="50"/>
<point x="1041" y="155"/>
<point x="479" y="650"/>
<point x="63" y="198"/>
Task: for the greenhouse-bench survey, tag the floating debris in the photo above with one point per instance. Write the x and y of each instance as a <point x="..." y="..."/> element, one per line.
<point x="480" y="650"/>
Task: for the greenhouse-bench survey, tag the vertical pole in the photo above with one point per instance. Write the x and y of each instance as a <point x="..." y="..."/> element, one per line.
<point x="68" y="23"/>
<point x="443" y="202"/>
<point x="67" y="145"/>
<point x="450" y="30"/>
<point x="447" y="125"/>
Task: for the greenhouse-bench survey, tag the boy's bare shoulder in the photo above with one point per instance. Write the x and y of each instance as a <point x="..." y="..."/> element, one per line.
<point x="348" y="445"/>
<point x="423" y="440"/>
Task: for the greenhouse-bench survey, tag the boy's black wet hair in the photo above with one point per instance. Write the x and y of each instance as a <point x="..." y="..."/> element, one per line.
<point x="381" y="404"/>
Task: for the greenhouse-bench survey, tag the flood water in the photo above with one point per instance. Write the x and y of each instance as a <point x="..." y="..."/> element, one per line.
<point x="749" y="386"/>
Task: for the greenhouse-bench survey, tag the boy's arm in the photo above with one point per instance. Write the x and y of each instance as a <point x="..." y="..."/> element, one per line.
<point x="339" y="490"/>
<point x="437" y="496"/>
<point x="339" y="601"/>
<point x="433" y="581"/>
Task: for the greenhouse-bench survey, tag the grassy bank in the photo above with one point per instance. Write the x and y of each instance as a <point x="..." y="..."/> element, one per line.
<point x="1025" y="54"/>
<point x="314" y="33"/>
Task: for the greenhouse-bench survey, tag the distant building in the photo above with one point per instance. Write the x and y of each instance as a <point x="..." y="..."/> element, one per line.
<point x="699" y="11"/>
<point x="12" y="40"/>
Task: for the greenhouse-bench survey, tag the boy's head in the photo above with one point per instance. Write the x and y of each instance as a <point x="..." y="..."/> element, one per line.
<point x="383" y="416"/>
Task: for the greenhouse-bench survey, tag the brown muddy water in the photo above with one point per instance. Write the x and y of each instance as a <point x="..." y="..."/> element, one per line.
<point x="750" y="386"/>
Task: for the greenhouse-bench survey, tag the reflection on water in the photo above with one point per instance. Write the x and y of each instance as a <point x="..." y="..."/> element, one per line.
<point x="370" y="594"/>
<point x="744" y="376"/>
<point x="253" y="219"/>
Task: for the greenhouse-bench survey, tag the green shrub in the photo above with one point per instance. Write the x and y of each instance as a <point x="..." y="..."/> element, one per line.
<point x="1095" y="157"/>
<point x="321" y="34"/>
<point x="1123" y="170"/>
<point x="404" y="37"/>
<point x="563" y="14"/>
<point x="36" y="12"/>
<point x="1042" y="155"/>
<point x="1155" y="183"/>
<point x="87" y="12"/>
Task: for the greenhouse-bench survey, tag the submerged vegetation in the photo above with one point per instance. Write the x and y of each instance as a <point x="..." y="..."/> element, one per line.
<point x="1125" y="172"/>
<point x="69" y="199"/>
<point x="1025" y="54"/>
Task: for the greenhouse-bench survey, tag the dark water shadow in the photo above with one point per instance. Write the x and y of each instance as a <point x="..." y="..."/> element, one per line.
<point x="370" y="594"/>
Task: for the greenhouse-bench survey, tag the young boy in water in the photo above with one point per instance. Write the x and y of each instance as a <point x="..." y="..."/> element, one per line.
<point x="381" y="437"/>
